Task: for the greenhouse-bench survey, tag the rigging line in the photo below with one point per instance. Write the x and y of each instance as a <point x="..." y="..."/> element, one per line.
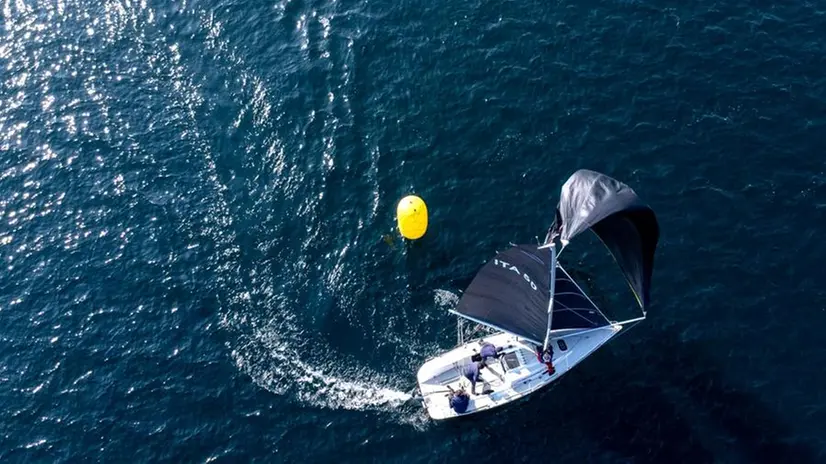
<point x="583" y="317"/>
<point x="626" y="330"/>
<point x="567" y="293"/>
<point x="532" y="256"/>
<point x="571" y="279"/>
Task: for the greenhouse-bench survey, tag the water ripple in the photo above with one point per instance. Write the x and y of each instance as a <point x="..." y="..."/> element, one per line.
<point x="195" y="199"/>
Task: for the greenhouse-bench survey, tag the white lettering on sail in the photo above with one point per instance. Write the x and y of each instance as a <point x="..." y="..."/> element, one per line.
<point x="528" y="279"/>
<point x="510" y="267"/>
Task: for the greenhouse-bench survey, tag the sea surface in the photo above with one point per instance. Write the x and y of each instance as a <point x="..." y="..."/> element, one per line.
<point x="199" y="255"/>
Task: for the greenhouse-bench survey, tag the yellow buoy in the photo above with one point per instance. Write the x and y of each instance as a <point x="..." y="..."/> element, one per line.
<point x="411" y="216"/>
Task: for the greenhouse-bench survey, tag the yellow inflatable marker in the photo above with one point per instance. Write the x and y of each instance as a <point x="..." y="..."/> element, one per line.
<point x="411" y="216"/>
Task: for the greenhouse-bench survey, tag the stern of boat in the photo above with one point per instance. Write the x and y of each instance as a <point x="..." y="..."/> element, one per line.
<point x="515" y="375"/>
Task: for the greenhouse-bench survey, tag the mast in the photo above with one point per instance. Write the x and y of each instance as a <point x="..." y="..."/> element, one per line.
<point x="551" y="295"/>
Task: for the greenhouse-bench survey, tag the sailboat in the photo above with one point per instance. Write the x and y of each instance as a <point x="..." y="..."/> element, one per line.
<point x="537" y="317"/>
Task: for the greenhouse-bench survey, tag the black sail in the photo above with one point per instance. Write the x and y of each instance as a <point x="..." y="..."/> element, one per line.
<point x="614" y="212"/>
<point x="511" y="293"/>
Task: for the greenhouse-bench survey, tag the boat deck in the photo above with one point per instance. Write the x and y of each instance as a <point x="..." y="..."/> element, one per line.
<point x="514" y="375"/>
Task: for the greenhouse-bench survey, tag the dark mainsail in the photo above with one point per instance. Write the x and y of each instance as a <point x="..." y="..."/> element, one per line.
<point x="511" y="293"/>
<point x="627" y="226"/>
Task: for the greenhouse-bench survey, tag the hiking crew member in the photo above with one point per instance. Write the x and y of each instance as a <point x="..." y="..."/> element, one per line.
<point x="471" y="372"/>
<point x="459" y="400"/>
<point x="489" y="351"/>
<point x="546" y="357"/>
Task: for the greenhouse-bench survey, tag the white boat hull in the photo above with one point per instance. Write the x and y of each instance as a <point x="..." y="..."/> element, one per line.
<point x="519" y="371"/>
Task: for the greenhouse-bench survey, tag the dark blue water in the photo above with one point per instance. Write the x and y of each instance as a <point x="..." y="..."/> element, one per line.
<point x="194" y="199"/>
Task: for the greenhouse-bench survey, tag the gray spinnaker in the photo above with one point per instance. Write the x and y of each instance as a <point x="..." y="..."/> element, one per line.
<point x="614" y="212"/>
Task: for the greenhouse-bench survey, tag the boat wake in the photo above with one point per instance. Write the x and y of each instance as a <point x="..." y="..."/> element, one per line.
<point x="444" y="299"/>
<point x="274" y="355"/>
<point x="272" y="344"/>
<point x="273" y="264"/>
<point x="273" y="362"/>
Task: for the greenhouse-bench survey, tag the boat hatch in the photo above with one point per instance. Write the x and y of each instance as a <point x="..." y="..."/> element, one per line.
<point x="511" y="360"/>
<point x="561" y="344"/>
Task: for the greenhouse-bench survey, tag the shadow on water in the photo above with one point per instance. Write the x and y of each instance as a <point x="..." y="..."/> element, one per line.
<point x="757" y="432"/>
<point x="674" y="406"/>
<point x="648" y="397"/>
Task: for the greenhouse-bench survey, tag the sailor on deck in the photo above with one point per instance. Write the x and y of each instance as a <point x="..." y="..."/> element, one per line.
<point x="459" y="400"/>
<point x="546" y="357"/>
<point x="478" y="362"/>
<point x="487" y="354"/>
<point x="471" y="372"/>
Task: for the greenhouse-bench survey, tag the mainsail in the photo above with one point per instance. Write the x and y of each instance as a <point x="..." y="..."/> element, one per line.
<point x="511" y="292"/>
<point x="610" y="208"/>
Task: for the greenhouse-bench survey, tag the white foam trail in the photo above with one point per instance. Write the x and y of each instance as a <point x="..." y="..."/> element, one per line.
<point x="268" y="347"/>
<point x="444" y="299"/>
<point x="272" y="362"/>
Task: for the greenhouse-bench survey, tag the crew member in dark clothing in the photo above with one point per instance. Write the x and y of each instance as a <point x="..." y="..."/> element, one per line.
<point x="546" y="357"/>
<point x="459" y="400"/>
<point x="488" y="350"/>
<point x="471" y="372"/>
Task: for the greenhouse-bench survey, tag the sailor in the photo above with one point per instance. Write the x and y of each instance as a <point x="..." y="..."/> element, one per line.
<point x="546" y="357"/>
<point x="459" y="400"/>
<point x="471" y="372"/>
<point x="487" y="353"/>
